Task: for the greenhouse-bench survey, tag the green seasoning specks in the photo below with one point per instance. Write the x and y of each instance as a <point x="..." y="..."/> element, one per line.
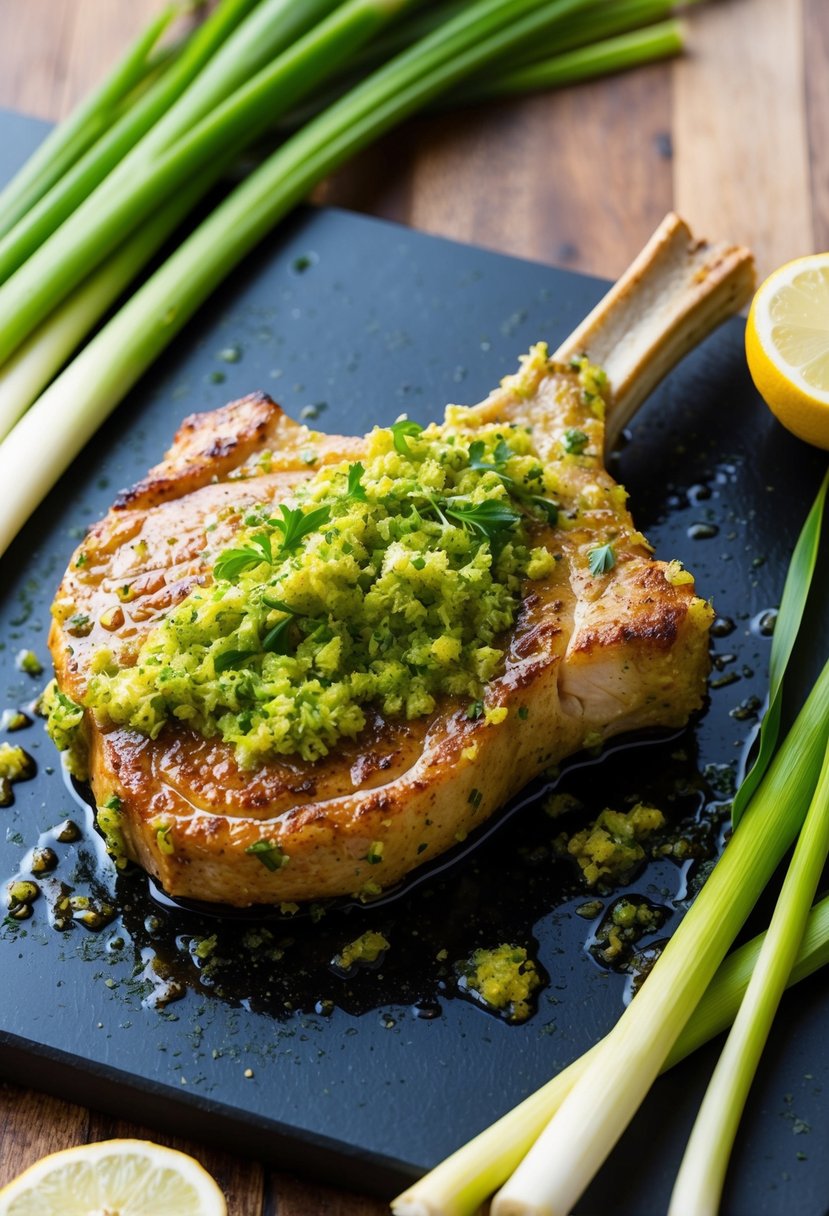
<point x="389" y="580"/>
<point x="64" y="723"/>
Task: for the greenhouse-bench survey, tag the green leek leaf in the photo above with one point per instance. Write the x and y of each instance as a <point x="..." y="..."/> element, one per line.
<point x="792" y="604"/>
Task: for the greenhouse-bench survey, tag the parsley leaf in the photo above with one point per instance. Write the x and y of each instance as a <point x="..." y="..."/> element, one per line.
<point x="489" y="518"/>
<point x="574" y="441"/>
<point x="500" y="456"/>
<point x="356" y="490"/>
<point x="601" y="559"/>
<point x="229" y="658"/>
<point x="295" y="524"/>
<point x="399" y="431"/>
<point x="275" y="640"/>
<point x="234" y="562"/>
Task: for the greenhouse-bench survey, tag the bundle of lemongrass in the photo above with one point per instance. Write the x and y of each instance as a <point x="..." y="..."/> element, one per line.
<point x="112" y="183"/>
<point x="544" y="1153"/>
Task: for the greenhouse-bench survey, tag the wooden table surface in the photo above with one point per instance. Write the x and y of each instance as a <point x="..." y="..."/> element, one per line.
<point x="734" y="136"/>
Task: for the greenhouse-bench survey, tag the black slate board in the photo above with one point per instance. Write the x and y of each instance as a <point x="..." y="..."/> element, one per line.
<point x="371" y="320"/>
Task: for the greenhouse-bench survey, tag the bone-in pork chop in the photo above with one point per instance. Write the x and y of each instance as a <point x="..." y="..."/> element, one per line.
<point x="608" y="640"/>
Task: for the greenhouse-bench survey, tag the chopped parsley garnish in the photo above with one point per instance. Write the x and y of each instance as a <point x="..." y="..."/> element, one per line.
<point x="574" y="441"/>
<point x="498" y="464"/>
<point x="356" y="490"/>
<point x="475" y="710"/>
<point x="269" y="853"/>
<point x="295" y="524"/>
<point x="275" y="640"/>
<point x="234" y="562"/>
<point x="489" y="518"/>
<point x="399" y="433"/>
<point x="601" y="560"/>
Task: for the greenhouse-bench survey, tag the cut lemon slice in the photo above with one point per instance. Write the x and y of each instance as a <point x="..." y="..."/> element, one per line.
<point x="787" y="346"/>
<point x="114" y="1178"/>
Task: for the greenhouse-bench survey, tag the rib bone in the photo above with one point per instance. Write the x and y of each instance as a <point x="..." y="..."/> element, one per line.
<point x="674" y="293"/>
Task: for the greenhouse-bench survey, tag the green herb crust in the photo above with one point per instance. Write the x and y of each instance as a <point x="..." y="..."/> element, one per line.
<point x="504" y="979"/>
<point x="387" y="582"/>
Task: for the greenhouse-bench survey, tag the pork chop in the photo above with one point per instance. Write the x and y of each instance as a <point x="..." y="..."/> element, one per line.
<point x="597" y="647"/>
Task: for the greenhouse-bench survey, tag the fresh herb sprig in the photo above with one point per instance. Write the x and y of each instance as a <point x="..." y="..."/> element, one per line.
<point x="295" y="524"/>
<point x="498" y="465"/>
<point x="234" y="562"/>
<point x="490" y="519"/>
<point x="292" y="522"/>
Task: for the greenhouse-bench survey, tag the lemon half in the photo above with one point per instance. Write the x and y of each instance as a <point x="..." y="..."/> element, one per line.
<point x="787" y="346"/>
<point x="114" y="1178"/>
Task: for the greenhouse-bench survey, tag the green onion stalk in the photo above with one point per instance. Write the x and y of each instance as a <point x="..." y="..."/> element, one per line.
<point x="141" y="183"/>
<point x="236" y="41"/>
<point x="617" y="54"/>
<point x="461" y="1183"/>
<point x="792" y="605"/>
<point x="701" y="1175"/>
<point x="594" y="1114"/>
<point x="47" y="438"/>
<point x="64" y="145"/>
<point x="44" y="353"/>
<point x="584" y="51"/>
<point x="30" y="369"/>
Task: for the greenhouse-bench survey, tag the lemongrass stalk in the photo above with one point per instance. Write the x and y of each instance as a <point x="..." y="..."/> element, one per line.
<point x="617" y="54"/>
<point x="792" y="606"/>
<point x="108" y="215"/>
<point x="47" y="439"/>
<point x="594" y="1114"/>
<point x="45" y="352"/>
<point x="699" y="1183"/>
<point x="67" y="142"/>
<point x="74" y="186"/>
<point x="461" y="1183"/>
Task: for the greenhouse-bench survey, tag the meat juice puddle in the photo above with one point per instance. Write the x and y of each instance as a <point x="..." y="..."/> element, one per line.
<point x="508" y="883"/>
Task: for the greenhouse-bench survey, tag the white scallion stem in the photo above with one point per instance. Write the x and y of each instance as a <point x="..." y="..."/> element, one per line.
<point x="461" y="1183"/>
<point x="701" y="1176"/>
<point x="60" y="422"/>
<point x="33" y="365"/>
<point x="597" y="1110"/>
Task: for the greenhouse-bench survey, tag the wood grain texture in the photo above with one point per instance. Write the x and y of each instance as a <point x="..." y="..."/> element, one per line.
<point x="735" y="136"/>
<point x="740" y="139"/>
<point x="32" y="1125"/>
<point x="816" y="63"/>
